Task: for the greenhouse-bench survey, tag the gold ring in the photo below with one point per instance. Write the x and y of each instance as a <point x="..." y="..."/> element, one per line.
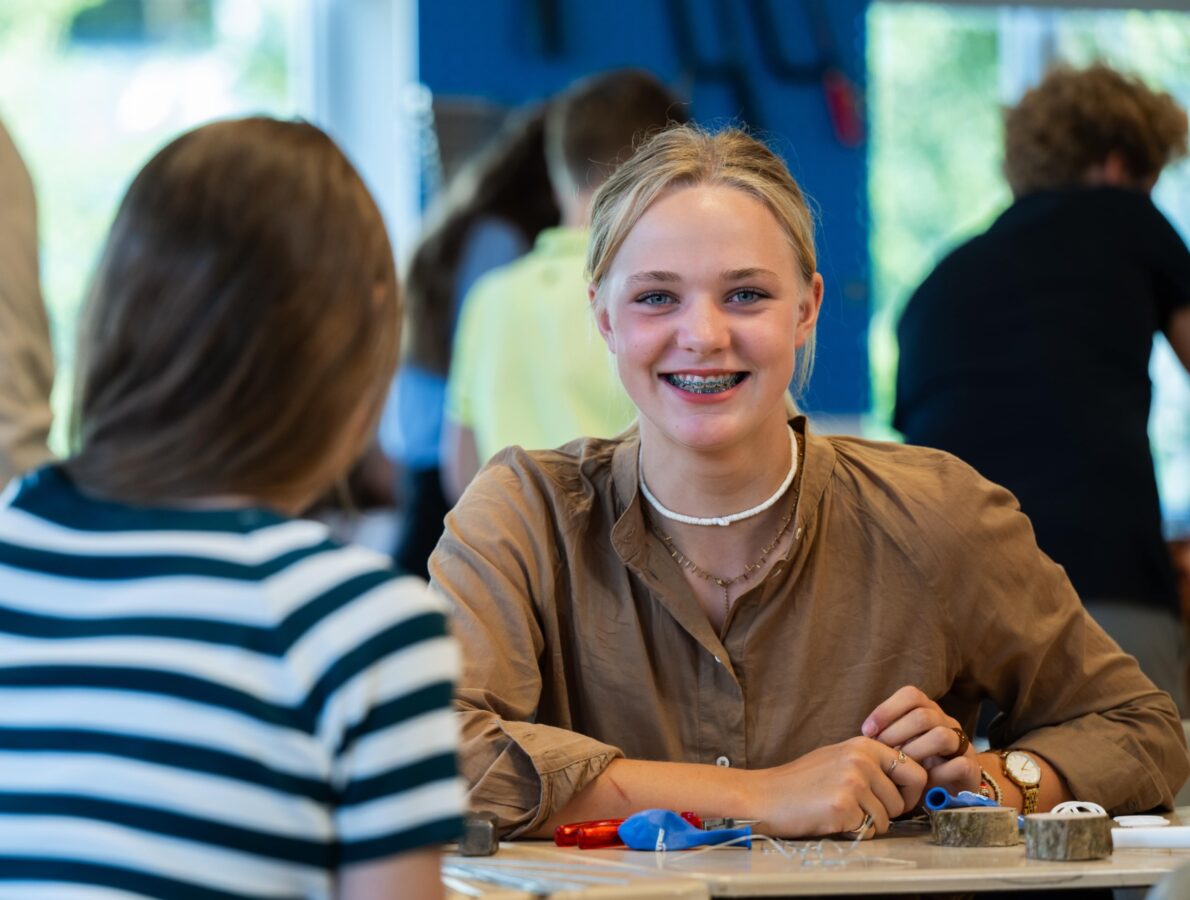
<point x="901" y="757"/>
<point x="964" y="743"/>
<point x="864" y="826"/>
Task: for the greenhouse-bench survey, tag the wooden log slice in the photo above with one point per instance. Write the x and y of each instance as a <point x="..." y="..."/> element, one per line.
<point x="1065" y="837"/>
<point x="976" y="826"/>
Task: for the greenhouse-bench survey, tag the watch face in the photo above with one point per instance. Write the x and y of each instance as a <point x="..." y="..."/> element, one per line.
<point x="1022" y="767"/>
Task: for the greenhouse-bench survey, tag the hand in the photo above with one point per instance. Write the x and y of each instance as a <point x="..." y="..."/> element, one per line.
<point x="830" y="790"/>
<point x="915" y="723"/>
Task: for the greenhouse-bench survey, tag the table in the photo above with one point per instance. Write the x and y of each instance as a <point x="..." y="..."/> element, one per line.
<point x="565" y="875"/>
<point x="901" y="862"/>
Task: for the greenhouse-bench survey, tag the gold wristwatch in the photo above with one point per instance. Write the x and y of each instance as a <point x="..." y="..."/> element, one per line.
<point x="1023" y="771"/>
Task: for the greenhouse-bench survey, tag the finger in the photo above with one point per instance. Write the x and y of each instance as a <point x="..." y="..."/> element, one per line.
<point x="873" y="806"/>
<point x="942" y="741"/>
<point x="959" y="774"/>
<point x="887" y="791"/>
<point x="910" y="779"/>
<point x="893" y="708"/>
<point x="912" y="725"/>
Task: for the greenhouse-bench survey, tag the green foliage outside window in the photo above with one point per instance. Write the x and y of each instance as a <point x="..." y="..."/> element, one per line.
<point x="934" y="156"/>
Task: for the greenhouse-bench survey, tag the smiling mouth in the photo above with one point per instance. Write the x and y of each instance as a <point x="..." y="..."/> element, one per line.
<point x="705" y="384"/>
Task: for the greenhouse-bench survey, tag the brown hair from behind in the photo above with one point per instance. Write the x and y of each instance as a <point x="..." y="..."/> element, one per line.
<point x="687" y="156"/>
<point x="243" y="323"/>
<point x="1075" y="118"/>
<point x="593" y="125"/>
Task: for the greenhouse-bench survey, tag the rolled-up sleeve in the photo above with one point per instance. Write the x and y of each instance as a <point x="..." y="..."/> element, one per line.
<point x="1069" y="693"/>
<point x="496" y="564"/>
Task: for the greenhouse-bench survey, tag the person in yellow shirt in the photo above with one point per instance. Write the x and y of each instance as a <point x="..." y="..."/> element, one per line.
<point x="528" y="366"/>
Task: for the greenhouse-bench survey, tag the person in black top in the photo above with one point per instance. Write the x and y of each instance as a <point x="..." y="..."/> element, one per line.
<point x="1026" y="351"/>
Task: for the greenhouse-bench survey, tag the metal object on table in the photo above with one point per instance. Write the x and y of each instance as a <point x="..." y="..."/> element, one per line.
<point x="480" y="837"/>
<point x="716" y="824"/>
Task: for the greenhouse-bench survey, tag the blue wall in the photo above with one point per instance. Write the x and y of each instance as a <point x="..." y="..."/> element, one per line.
<point x="512" y="51"/>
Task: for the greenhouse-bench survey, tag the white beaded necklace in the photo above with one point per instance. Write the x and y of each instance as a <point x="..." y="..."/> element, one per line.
<point x="723" y="521"/>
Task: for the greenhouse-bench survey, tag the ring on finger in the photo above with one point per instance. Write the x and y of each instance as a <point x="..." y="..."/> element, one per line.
<point x="901" y="757"/>
<point x="964" y="743"/>
<point x="863" y="826"/>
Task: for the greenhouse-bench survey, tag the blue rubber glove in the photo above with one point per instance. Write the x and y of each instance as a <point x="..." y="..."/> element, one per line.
<point x="661" y="829"/>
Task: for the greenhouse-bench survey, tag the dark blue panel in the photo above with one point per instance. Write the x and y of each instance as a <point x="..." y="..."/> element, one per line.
<point x="512" y="51"/>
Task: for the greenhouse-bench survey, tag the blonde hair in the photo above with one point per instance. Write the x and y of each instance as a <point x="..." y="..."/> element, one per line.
<point x="1075" y="118"/>
<point x="686" y="156"/>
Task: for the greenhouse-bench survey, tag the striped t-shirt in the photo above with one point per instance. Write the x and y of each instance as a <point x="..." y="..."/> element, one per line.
<point x="210" y="703"/>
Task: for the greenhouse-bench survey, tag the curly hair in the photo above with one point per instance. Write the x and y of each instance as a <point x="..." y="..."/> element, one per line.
<point x="1075" y="118"/>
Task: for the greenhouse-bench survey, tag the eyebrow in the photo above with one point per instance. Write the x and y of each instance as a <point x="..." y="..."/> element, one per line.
<point x="645" y="277"/>
<point x="744" y="274"/>
<point x="726" y="275"/>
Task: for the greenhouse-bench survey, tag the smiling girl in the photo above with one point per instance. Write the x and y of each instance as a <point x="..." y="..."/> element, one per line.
<point x="722" y="611"/>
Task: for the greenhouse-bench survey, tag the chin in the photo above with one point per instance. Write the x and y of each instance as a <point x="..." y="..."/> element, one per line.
<point x="703" y="435"/>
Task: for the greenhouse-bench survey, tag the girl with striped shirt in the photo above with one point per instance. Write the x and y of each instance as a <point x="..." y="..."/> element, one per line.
<point x="200" y="695"/>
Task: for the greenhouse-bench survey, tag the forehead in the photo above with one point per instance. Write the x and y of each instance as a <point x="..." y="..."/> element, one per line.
<point x="692" y="227"/>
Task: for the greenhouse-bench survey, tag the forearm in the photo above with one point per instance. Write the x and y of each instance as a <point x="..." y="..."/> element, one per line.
<point x="1051" y="791"/>
<point x="416" y="873"/>
<point x="627" y="786"/>
<point x="830" y="790"/>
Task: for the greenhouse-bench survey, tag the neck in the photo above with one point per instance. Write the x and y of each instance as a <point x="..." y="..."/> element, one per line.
<point x="706" y="484"/>
<point x="575" y="208"/>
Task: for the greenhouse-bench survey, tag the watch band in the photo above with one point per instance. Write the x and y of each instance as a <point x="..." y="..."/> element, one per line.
<point x="1030" y="792"/>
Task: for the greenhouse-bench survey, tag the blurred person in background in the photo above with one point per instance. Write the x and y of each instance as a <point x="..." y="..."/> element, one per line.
<point x="26" y="356"/>
<point x="200" y="694"/>
<point x="1026" y="351"/>
<point x="492" y="211"/>
<point x="529" y="368"/>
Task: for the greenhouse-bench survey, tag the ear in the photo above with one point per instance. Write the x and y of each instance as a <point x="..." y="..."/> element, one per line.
<point x="602" y="319"/>
<point x="807" y="313"/>
<point x="1114" y="171"/>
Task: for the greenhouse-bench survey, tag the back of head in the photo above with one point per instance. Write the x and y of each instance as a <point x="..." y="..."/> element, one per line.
<point x="1075" y="119"/>
<point x="593" y="124"/>
<point x="687" y="156"/>
<point x="242" y="324"/>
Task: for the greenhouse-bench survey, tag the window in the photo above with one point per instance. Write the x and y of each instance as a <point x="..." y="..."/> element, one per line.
<point x="90" y="90"/>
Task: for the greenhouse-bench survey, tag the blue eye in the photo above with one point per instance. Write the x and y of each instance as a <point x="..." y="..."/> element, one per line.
<point x="746" y="296"/>
<point x="654" y="299"/>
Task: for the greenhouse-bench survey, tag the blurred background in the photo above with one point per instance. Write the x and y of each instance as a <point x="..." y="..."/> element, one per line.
<point x="889" y="114"/>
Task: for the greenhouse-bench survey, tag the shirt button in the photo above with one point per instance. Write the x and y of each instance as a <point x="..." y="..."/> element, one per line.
<point x="723" y="762"/>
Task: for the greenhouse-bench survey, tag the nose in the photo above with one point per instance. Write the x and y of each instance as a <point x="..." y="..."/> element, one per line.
<point x="704" y="327"/>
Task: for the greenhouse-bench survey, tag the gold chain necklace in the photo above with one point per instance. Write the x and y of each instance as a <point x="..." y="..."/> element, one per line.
<point x="687" y="563"/>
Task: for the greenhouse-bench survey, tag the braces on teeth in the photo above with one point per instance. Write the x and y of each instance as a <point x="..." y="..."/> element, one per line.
<point x="698" y="384"/>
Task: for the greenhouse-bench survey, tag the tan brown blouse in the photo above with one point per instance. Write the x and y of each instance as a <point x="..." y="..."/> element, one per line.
<point x="582" y="643"/>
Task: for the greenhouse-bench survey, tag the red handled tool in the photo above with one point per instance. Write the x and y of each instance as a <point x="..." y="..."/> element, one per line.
<point x="599" y="833"/>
